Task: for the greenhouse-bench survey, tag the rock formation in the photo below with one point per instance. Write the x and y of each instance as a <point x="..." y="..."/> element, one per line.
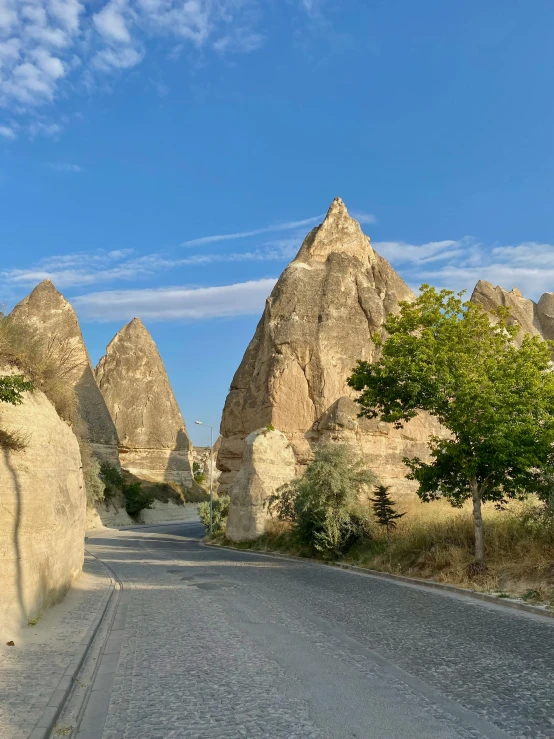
<point x="536" y="319"/>
<point x="50" y="316"/>
<point x="42" y="498"/>
<point x="268" y="462"/>
<point x="154" y="444"/>
<point x="318" y="321"/>
<point x="201" y="457"/>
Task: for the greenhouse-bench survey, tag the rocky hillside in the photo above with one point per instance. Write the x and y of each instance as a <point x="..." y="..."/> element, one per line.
<point x="52" y="317"/>
<point x="318" y="321"/>
<point x="154" y="444"/>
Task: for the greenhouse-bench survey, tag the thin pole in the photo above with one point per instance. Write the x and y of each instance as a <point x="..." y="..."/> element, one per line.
<point x="211" y="478"/>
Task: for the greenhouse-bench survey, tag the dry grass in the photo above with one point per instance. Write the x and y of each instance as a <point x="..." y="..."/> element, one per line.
<point x="435" y="541"/>
<point x="48" y="362"/>
<point x="13" y="441"/>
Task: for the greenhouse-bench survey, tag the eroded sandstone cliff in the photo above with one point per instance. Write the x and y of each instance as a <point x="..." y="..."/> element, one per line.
<point x="42" y="499"/>
<point x="154" y="444"/>
<point x="318" y="321"/>
<point x="536" y="319"/>
<point x="51" y="316"/>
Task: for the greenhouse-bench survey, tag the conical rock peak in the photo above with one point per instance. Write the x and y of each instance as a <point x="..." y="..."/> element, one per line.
<point x="338" y="234"/>
<point x="136" y="388"/>
<point x="51" y="317"/>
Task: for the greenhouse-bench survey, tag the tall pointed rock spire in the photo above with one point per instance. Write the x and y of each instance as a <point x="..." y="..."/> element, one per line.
<point x="52" y="317"/>
<point x="318" y="321"/>
<point x="154" y="443"/>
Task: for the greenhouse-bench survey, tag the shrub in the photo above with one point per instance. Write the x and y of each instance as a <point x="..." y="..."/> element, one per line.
<point x="94" y="486"/>
<point x="48" y="362"/>
<point x="220" y="511"/>
<point x="324" y="504"/>
<point x="136" y="499"/>
<point x="112" y="479"/>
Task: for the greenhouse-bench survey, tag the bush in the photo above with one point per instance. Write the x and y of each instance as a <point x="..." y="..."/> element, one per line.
<point x="324" y="505"/>
<point x="94" y="485"/>
<point x="220" y="511"/>
<point x="136" y="500"/>
<point x="48" y="363"/>
<point x="112" y="479"/>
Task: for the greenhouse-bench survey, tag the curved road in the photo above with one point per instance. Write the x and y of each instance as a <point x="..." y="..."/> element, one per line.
<point x="210" y="643"/>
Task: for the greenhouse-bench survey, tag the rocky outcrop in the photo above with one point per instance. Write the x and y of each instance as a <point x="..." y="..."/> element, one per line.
<point x="319" y="320"/>
<point x="42" y="499"/>
<point x="201" y="457"/>
<point x="536" y="319"/>
<point x="52" y="318"/>
<point x="154" y="444"/>
<point x="268" y="462"/>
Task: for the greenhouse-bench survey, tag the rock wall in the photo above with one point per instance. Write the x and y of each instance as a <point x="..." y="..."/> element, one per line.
<point x="268" y="462"/>
<point x="201" y="456"/>
<point x="50" y="315"/>
<point x="43" y="502"/>
<point x="154" y="443"/>
<point x="536" y="319"/>
<point x="318" y="321"/>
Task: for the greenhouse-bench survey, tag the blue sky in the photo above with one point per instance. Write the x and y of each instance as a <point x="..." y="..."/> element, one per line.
<point x="132" y="132"/>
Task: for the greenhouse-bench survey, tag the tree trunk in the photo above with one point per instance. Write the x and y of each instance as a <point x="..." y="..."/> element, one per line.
<point x="477" y="521"/>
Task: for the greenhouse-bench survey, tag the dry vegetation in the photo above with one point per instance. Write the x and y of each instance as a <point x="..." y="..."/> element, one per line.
<point x="436" y="541"/>
<point x="49" y="363"/>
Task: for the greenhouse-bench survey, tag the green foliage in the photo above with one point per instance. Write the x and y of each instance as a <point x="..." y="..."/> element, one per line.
<point x="94" y="485"/>
<point x="270" y="427"/>
<point x="324" y="505"/>
<point x="220" y="511"/>
<point x="136" y="500"/>
<point x="12" y="388"/>
<point x="383" y="509"/>
<point x="112" y="479"/>
<point x="196" y="467"/>
<point x="446" y="357"/>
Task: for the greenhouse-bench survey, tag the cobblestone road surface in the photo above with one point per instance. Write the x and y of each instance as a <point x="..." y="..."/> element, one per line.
<point x="211" y="643"/>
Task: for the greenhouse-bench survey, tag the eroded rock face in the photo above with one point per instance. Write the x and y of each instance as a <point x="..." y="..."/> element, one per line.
<point x="318" y="321"/>
<point x="43" y="503"/>
<point x="268" y="462"/>
<point x="536" y="319"/>
<point x="154" y="443"/>
<point x="201" y="456"/>
<point x="51" y="316"/>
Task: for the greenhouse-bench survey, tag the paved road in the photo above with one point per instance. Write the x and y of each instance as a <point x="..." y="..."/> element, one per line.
<point x="210" y="643"/>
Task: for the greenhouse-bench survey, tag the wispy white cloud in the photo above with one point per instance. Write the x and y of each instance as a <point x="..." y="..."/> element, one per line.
<point x="460" y="264"/>
<point x="45" y="42"/>
<point x="7" y="132"/>
<point x="363" y="217"/>
<point x="287" y="226"/>
<point x="176" y="303"/>
<point x="64" y="167"/>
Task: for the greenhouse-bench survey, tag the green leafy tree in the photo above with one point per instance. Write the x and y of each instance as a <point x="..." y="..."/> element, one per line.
<point x="12" y="388"/>
<point x="324" y="504"/>
<point x="446" y="357"/>
<point x="383" y="509"/>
